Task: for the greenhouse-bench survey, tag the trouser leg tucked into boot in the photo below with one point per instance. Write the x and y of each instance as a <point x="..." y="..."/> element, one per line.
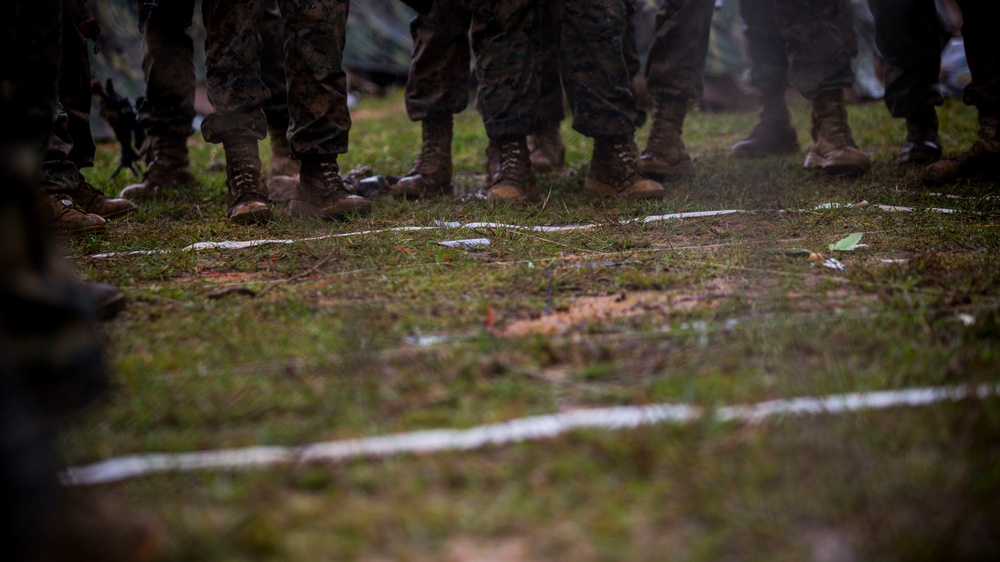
<point x="513" y="180"/>
<point x="981" y="159"/>
<point x="431" y="171"/>
<point x="922" y="144"/>
<point x="665" y="156"/>
<point x="283" y="171"/>
<point x="247" y="190"/>
<point x="322" y="192"/>
<point x="833" y="150"/>
<point x="613" y="171"/>
<point x="171" y="167"/>
<point x="547" y="152"/>
<point x="773" y="134"/>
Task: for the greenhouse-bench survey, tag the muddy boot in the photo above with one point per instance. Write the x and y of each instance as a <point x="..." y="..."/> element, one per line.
<point x="69" y="219"/>
<point x="982" y="159"/>
<point x="322" y="193"/>
<point x="283" y="172"/>
<point x="91" y="200"/>
<point x="431" y="171"/>
<point x="665" y="157"/>
<point x="922" y="144"/>
<point x="514" y="181"/>
<point x="247" y="191"/>
<point x="833" y="150"/>
<point x="171" y="167"/>
<point x="613" y="171"/>
<point x="547" y="152"/>
<point x="773" y="134"/>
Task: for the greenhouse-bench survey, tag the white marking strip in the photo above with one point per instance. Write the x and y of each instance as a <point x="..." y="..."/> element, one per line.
<point x="514" y="431"/>
<point x="234" y="245"/>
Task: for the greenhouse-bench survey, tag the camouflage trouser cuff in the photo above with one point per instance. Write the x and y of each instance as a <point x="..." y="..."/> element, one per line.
<point x="60" y="176"/>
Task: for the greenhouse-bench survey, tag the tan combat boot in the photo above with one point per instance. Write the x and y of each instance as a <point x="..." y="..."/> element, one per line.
<point x="91" y="200"/>
<point x="431" y="171"/>
<point x="922" y="144"/>
<point x="773" y="134"/>
<point x="665" y="156"/>
<point x="613" y="171"/>
<point x="513" y="181"/>
<point x="833" y="150"/>
<point x="322" y="193"/>
<point x="69" y="219"/>
<point x="247" y="197"/>
<point x="982" y="158"/>
<point x="171" y="167"/>
<point x="283" y="172"/>
<point x="547" y="152"/>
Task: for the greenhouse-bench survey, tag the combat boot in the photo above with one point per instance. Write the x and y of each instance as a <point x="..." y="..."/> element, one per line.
<point x="547" y="152"/>
<point x="665" y="157"/>
<point x="171" y="167"/>
<point x="982" y="158"/>
<point x="833" y="150"/>
<point x="283" y="171"/>
<point x="613" y="171"/>
<point x="322" y="193"/>
<point x="773" y="134"/>
<point x="247" y="197"/>
<point x="432" y="169"/>
<point x="91" y="200"/>
<point x="513" y="181"/>
<point x="922" y="144"/>
<point x="69" y="219"/>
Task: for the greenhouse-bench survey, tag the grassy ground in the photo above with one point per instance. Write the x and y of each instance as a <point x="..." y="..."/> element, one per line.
<point x="702" y="311"/>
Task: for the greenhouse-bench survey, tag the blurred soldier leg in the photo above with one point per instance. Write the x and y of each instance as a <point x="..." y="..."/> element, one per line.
<point x="436" y="89"/>
<point x="908" y="34"/>
<point x="547" y="152"/>
<point x="168" y="110"/>
<point x="283" y="170"/>
<point x="50" y="357"/>
<point x="982" y="49"/>
<point x="773" y="133"/>
<point x="811" y="45"/>
<point x="674" y="76"/>
<point x="598" y="87"/>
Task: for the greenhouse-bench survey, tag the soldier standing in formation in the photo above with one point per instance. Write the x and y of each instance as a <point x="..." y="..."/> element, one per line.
<point x="811" y="45"/>
<point x="168" y="109"/>
<point x="506" y="38"/>
<point x="437" y="88"/>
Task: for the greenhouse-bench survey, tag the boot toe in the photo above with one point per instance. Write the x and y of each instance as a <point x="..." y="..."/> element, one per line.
<point x="112" y="208"/>
<point x="419" y="185"/>
<point x="661" y="169"/>
<point x="138" y="192"/>
<point x="511" y="192"/>
<point x="249" y="212"/>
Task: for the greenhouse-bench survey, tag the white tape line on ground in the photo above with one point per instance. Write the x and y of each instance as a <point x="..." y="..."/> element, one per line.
<point x="518" y="430"/>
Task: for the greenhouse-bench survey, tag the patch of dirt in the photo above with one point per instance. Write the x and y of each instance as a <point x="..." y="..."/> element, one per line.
<point x="603" y="308"/>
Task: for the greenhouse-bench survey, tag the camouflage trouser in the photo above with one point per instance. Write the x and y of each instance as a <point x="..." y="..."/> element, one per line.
<point x="908" y="34"/>
<point x="806" y="43"/>
<point x="675" y="66"/>
<point x="168" y="63"/>
<point x="592" y="66"/>
<point x="71" y="146"/>
<point x="314" y="35"/>
<point x="42" y="317"/>
<point x="983" y="54"/>
<point x="438" y="83"/>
